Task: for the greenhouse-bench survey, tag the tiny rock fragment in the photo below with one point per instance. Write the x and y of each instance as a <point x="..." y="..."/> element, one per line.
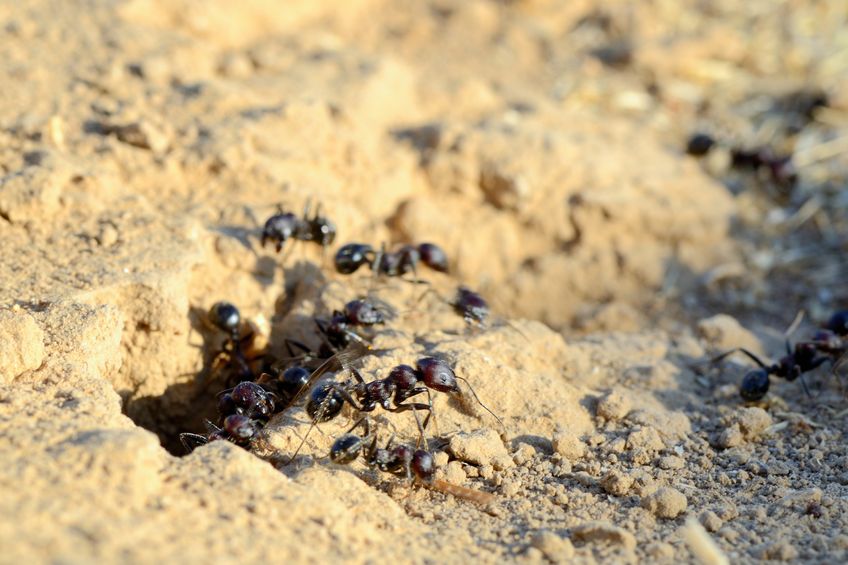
<point x="753" y="421"/>
<point x="482" y="447"/>
<point x="553" y="547"/>
<point x="780" y="550"/>
<point x="731" y="437"/>
<point x="523" y="454"/>
<point x="660" y="551"/>
<point x="665" y="502"/>
<point x="647" y="438"/>
<point x="454" y="473"/>
<point x="605" y="532"/>
<point x="21" y="344"/>
<point x="671" y="462"/>
<point x="710" y="521"/>
<point x="702" y="546"/>
<point x="568" y="445"/>
<point x="616" y="483"/>
<point x="615" y="405"/>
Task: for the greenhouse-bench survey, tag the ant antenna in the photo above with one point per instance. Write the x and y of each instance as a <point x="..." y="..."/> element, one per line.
<point x="474" y="394"/>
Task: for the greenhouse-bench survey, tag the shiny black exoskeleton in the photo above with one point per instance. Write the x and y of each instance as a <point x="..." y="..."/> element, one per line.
<point x="286" y="385"/>
<point x="340" y="329"/>
<point x="246" y="399"/>
<point x="236" y="428"/>
<point x="236" y="358"/>
<point x="471" y="306"/>
<point x="349" y="258"/>
<point x="391" y="393"/>
<point x="284" y="226"/>
<point x="399" y="460"/>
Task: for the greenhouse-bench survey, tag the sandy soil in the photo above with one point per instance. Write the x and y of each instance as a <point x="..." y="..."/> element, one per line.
<point x="542" y="144"/>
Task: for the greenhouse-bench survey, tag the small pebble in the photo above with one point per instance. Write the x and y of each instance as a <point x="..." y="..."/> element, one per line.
<point x="665" y="502"/>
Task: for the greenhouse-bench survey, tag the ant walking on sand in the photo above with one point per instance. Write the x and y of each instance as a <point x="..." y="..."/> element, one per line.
<point x="349" y="258"/>
<point x="391" y="393"/>
<point x="401" y="460"/>
<point x="826" y="345"/>
<point x="283" y="226"/>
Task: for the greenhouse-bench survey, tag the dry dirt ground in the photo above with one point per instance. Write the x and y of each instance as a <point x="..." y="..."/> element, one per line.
<point x="144" y="142"/>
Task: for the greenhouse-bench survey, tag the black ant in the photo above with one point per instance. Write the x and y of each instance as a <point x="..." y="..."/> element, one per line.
<point x="283" y="226"/>
<point x="357" y="313"/>
<point x="403" y="460"/>
<point x="247" y="399"/>
<point x="402" y="383"/>
<point x="237" y="428"/>
<point x="779" y="168"/>
<point x="238" y="354"/>
<point x="349" y="258"/>
<point x="471" y="306"/>
<point x="806" y="356"/>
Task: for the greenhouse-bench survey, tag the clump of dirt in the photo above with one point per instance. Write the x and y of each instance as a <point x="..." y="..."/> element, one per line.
<point x="543" y="147"/>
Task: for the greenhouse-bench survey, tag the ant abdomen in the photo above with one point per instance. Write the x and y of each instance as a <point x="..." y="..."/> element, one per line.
<point x="324" y="403"/>
<point x="755" y="385"/>
<point x="346" y="449"/>
<point x="352" y="256"/>
<point x="225" y="317"/>
<point x="434" y="257"/>
<point x="423" y="465"/>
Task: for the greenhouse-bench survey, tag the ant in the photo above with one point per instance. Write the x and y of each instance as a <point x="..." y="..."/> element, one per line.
<point x="247" y="399"/>
<point x="238" y="353"/>
<point x="236" y="428"/>
<point x="349" y="258"/>
<point x="779" y="168"/>
<point x="338" y="330"/>
<point x="402" y="383"/>
<point x="399" y="460"/>
<point x="284" y="225"/>
<point x="825" y="345"/>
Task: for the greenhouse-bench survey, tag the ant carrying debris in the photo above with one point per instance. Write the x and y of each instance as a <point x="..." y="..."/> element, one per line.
<point x="349" y="258"/>
<point x="402" y="460"/>
<point x="283" y="226"/>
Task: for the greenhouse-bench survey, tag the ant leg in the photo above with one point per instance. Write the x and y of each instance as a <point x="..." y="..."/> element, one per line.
<point x="291" y="344"/>
<point x="192" y="441"/>
<point x="474" y="394"/>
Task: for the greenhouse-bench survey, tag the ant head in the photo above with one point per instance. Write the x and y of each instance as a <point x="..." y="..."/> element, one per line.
<point x="352" y="256"/>
<point x="363" y="313"/>
<point x="240" y="428"/>
<point x="434" y="257"/>
<point x="423" y="465"/>
<point x="252" y="399"/>
<point x="346" y="449"/>
<point x="437" y="375"/>
<point x="225" y="317"/>
<point x="323" y="231"/>
<point x="838" y="323"/>
<point x="755" y="385"/>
